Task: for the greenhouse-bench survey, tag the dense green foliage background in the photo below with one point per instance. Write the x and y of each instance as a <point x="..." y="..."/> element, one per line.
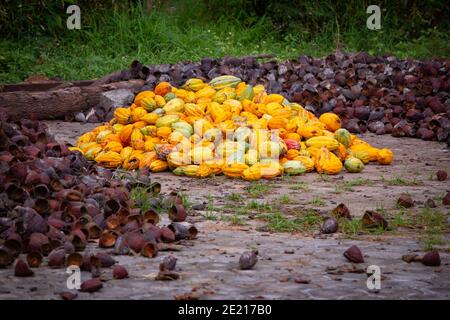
<point x="35" y="38"/>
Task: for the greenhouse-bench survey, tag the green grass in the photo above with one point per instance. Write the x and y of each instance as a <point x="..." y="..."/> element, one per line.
<point x="140" y="197"/>
<point x="234" y="219"/>
<point x="112" y="40"/>
<point x="435" y="224"/>
<point x="185" y="200"/>
<point x="234" y="197"/>
<point x="302" y="186"/>
<point x="285" y="199"/>
<point x="210" y="209"/>
<point x="316" y="201"/>
<point x="348" y="185"/>
<point x="258" y="206"/>
<point x="258" y="189"/>
<point x="350" y="227"/>
<point x="306" y="221"/>
<point x="401" y="181"/>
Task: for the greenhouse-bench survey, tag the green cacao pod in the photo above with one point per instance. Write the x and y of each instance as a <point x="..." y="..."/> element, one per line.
<point x="353" y="165"/>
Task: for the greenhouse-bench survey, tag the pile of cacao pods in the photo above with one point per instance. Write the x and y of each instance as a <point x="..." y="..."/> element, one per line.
<point x="380" y="94"/>
<point x="226" y="126"/>
<point x="53" y="202"/>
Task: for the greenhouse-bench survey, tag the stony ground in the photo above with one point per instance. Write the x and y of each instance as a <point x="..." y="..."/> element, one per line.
<point x="281" y="219"/>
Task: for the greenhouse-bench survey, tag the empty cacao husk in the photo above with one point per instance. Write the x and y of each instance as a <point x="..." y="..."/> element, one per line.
<point x="14" y="244"/>
<point x="106" y="260"/>
<point x="34" y="259"/>
<point x="40" y="243"/>
<point x="21" y="269"/>
<point x="74" y="259"/>
<point x="167" y="234"/>
<point x="372" y="219"/>
<point x="94" y="230"/>
<point x="119" y="272"/>
<point x="168" y="263"/>
<point x="120" y="247"/>
<point x="78" y="239"/>
<point x="135" y="241"/>
<point x="68" y="295"/>
<point x="91" y="285"/>
<point x="6" y="257"/>
<point x="183" y="230"/>
<point x="107" y="239"/>
<point x="353" y="254"/>
<point x="330" y="225"/>
<point x="248" y="260"/>
<point x="57" y="258"/>
<point x="177" y="213"/>
<point x="432" y="259"/>
<point x="149" y="250"/>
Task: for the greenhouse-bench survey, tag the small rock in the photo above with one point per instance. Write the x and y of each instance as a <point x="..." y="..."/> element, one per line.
<point x="302" y="280"/>
<point x="441" y="175"/>
<point x="199" y="206"/>
<point x="432" y="259"/>
<point x="167" y="275"/>
<point x="410" y="258"/>
<point x="405" y="201"/>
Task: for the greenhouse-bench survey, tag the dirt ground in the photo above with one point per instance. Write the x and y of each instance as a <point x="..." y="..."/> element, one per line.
<point x="304" y="264"/>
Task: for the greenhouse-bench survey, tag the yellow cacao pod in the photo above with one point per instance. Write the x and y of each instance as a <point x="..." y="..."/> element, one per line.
<point x="309" y="130"/>
<point x="307" y="162"/>
<point x="122" y="115"/>
<point x="142" y="95"/>
<point x="206" y="92"/>
<point x="174" y="105"/>
<point x="177" y="159"/>
<point x="328" y="163"/>
<point x="164" y="132"/>
<point x="234" y="170"/>
<point x="150" y="118"/>
<point x="191" y="109"/>
<point x="201" y="154"/>
<point x="113" y="146"/>
<point x="189" y="170"/>
<point x="224" y="81"/>
<point x="194" y="84"/>
<point x="203" y="171"/>
<point x="318" y="142"/>
<point x="146" y="159"/>
<point x="252" y="173"/>
<point x="158" y="165"/>
<point x="331" y="121"/>
<point x="353" y="165"/>
<point x="385" y="156"/>
<point x="125" y="153"/>
<point x="166" y="121"/>
<point x="109" y="159"/>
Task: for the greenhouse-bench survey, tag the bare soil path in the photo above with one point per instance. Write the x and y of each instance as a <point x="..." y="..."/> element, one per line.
<point x="234" y="216"/>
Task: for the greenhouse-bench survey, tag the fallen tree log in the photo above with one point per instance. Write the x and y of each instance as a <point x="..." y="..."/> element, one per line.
<point x="57" y="103"/>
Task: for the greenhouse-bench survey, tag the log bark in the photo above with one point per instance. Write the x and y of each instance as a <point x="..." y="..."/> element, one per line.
<point x="55" y="104"/>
